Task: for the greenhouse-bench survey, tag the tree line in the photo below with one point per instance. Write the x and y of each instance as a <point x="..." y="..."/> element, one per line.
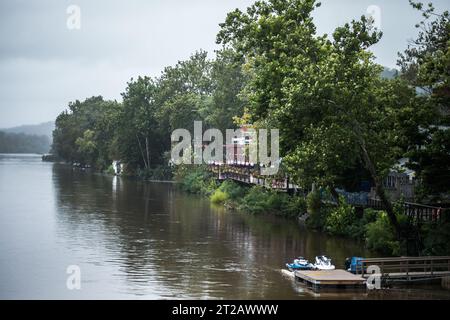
<point x="340" y="122"/>
<point x="137" y="130"/>
<point x="23" y="143"/>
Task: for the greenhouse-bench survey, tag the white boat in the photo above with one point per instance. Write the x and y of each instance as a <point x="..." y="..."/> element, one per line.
<point x="323" y="263"/>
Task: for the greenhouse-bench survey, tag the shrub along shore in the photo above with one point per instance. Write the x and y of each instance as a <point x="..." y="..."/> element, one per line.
<point x="371" y="227"/>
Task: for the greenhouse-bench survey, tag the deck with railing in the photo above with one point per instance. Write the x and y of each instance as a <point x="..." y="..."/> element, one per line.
<point x="407" y="269"/>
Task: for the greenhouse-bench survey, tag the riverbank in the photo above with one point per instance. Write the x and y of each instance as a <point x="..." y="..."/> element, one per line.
<point x="371" y="227"/>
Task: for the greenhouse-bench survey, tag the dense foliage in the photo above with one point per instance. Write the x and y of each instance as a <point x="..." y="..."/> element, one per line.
<point x="137" y="131"/>
<point x="425" y="64"/>
<point x="254" y="200"/>
<point x="23" y="143"/>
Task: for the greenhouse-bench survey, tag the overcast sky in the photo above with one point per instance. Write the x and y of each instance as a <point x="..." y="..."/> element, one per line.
<point x="44" y="64"/>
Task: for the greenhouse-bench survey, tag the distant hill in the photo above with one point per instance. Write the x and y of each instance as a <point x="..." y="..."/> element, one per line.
<point x="42" y="129"/>
<point x="389" y="73"/>
<point x="24" y="143"/>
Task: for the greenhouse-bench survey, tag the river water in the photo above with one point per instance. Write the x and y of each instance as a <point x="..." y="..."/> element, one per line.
<point x="140" y="240"/>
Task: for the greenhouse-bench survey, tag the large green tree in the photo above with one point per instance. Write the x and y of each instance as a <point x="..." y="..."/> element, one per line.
<point x="183" y="94"/>
<point x="140" y="140"/>
<point x="196" y="89"/>
<point x="84" y="133"/>
<point x="228" y="81"/>
<point x="325" y="94"/>
<point x="425" y="64"/>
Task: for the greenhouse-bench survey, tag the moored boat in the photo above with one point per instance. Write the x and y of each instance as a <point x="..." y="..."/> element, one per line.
<point x="300" y="264"/>
<point x="353" y="264"/>
<point x="323" y="263"/>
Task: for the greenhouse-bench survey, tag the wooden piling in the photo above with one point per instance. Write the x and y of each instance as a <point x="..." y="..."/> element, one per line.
<point x="445" y="283"/>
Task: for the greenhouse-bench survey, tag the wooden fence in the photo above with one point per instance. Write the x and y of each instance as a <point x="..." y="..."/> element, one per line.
<point x="418" y="213"/>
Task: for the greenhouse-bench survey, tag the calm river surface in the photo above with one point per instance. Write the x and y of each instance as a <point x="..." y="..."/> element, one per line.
<point x="136" y="240"/>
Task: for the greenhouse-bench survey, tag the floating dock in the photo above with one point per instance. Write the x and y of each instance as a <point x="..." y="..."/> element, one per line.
<point x="330" y="279"/>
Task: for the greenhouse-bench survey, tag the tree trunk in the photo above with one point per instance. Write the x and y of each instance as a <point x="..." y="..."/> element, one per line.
<point x="148" y="152"/>
<point x="335" y="194"/>
<point x="142" y="152"/>
<point x="379" y="188"/>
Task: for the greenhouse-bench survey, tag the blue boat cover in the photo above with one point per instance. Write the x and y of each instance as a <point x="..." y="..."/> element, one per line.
<point x="355" y="264"/>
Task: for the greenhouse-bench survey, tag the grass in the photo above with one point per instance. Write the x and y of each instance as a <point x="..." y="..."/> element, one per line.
<point x="219" y="197"/>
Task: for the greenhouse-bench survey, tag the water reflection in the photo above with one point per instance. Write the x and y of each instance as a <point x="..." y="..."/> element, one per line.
<point x="159" y="237"/>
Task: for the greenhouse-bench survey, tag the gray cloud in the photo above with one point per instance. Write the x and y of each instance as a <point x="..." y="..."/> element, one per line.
<point x="43" y="65"/>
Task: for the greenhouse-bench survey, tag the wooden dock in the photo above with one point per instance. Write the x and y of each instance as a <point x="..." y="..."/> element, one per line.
<point x="330" y="279"/>
<point x="388" y="270"/>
